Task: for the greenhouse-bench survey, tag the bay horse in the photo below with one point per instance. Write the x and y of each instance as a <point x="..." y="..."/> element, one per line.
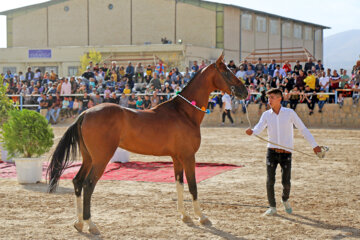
<point x="169" y="129"/>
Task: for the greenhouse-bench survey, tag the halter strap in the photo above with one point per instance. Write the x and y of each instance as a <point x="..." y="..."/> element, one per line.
<point x="186" y="100"/>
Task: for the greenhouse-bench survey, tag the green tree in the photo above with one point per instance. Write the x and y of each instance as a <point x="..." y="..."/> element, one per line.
<point x="85" y="59"/>
<point x="5" y="103"/>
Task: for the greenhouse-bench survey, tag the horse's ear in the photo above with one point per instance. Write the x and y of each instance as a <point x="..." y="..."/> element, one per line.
<point x="220" y="59"/>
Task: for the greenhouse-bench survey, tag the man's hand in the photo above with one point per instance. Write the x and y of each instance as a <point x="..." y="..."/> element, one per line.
<point x="317" y="149"/>
<point x="250" y="132"/>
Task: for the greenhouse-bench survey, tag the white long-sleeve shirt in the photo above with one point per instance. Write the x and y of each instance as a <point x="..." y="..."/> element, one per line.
<point x="280" y="128"/>
<point x="66" y="88"/>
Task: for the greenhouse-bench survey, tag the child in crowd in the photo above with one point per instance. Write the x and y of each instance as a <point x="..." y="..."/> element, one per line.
<point x="65" y="108"/>
<point x="322" y="99"/>
<point x="139" y="103"/>
<point x="340" y="100"/>
<point x="76" y="107"/>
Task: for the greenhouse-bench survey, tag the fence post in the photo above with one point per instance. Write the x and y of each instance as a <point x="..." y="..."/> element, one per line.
<point x="336" y="91"/>
<point x="21" y="101"/>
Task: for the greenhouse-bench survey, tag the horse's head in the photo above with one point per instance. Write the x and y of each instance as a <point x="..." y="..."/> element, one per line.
<point x="227" y="81"/>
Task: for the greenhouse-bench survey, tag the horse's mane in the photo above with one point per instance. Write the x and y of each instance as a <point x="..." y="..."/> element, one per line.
<point x="193" y="79"/>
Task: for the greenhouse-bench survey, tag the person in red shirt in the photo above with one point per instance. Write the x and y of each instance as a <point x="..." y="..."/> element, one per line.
<point x="287" y="67"/>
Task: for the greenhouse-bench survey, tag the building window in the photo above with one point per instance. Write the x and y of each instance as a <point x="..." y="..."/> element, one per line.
<point x="286" y="30"/>
<point x="297" y="31"/>
<point x="274" y="27"/>
<point x="11" y="69"/>
<point x="318" y="33"/>
<point x="73" y="71"/>
<point x="111" y="6"/>
<point x="246" y="20"/>
<point x="261" y="24"/>
<point x="308" y="33"/>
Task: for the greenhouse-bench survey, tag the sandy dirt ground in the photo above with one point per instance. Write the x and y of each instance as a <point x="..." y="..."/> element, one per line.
<point x="325" y="196"/>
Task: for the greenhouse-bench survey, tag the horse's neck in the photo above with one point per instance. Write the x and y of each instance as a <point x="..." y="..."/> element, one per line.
<point x="198" y="91"/>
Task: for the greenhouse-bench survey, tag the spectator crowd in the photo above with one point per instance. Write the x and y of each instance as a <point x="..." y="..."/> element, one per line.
<point x="143" y="87"/>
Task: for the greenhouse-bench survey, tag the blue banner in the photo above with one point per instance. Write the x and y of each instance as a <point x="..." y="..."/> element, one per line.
<point x="40" y="53"/>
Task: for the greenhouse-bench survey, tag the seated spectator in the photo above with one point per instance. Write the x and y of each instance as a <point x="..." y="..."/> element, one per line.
<point x="127" y="90"/>
<point x="287" y="67"/>
<point x="340" y="100"/>
<point x="297" y="67"/>
<point x="132" y="101"/>
<point x="123" y="101"/>
<point x="310" y="98"/>
<point x="294" y="98"/>
<point x="249" y="75"/>
<point x="154" y="100"/>
<point x="65" y="111"/>
<point x="241" y="73"/>
<point x="76" y="108"/>
<point x="114" y="98"/>
<point x="286" y="98"/>
<point x="147" y="102"/>
<point x="98" y="100"/>
<point x="356" y="95"/>
<point x="322" y="99"/>
<point x="139" y="103"/>
<point x="310" y="80"/>
<point x="90" y="104"/>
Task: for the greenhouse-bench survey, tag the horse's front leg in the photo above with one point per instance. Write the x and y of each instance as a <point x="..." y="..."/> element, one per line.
<point x="189" y="165"/>
<point x="179" y="179"/>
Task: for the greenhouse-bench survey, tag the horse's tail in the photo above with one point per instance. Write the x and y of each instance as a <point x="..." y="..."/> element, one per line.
<point x="64" y="154"/>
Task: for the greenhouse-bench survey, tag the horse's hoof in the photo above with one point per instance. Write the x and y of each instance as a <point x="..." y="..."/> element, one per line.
<point x="186" y="219"/>
<point x="205" y="221"/>
<point x="94" y="231"/>
<point x="78" y="225"/>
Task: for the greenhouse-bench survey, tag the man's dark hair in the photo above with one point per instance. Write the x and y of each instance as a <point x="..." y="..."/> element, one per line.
<point x="275" y="91"/>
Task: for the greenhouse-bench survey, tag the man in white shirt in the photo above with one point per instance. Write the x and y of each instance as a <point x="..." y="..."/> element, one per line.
<point x="66" y="87"/>
<point x="324" y="82"/>
<point x="226" y="99"/>
<point x="279" y="122"/>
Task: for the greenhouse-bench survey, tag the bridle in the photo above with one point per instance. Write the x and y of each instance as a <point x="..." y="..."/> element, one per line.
<point x="226" y="76"/>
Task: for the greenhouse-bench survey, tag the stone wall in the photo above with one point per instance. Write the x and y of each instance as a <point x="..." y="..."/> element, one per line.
<point x="332" y="116"/>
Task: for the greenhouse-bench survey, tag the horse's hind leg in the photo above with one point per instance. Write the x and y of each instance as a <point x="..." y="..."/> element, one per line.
<point x="89" y="185"/>
<point x="78" y="185"/>
<point x="189" y="164"/>
<point x="179" y="178"/>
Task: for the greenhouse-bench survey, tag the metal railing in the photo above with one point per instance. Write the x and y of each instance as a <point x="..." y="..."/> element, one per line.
<point x="21" y="104"/>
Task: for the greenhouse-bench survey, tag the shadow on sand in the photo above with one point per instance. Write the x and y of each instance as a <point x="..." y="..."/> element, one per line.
<point x="349" y="232"/>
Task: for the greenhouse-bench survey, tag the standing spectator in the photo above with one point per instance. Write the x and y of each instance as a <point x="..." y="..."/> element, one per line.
<point x="127" y="90"/>
<point x="90" y="66"/>
<point x="272" y="68"/>
<point x="130" y="71"/>
<point x="149" y="71"/>
<point x="29" y="75"/>
<point x="139" y="73"/>
<point x="344" y="79"/>
<point x="309" y="65"/>
<point x="76" y="107"/>
<point x="226" y="99"/>
<point x="297" y="67"/>
<point x="324" y="82"/>
<point x="202" y="65"/>
<point x="259" y="68"/>
<point x="319" y="66"/>
<point x="85" y="102"/>
<point x="53" y="75"/>
<point x="231" y="65"/>
<point x="160" y="68"/>
<point x="65" y="111"/>
<point x="65" y="87"/>
<point x="300" y="84"/>
<point x="195" y="67"/>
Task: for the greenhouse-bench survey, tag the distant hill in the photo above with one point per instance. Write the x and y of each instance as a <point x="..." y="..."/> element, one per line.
<point x="342" y="50"/>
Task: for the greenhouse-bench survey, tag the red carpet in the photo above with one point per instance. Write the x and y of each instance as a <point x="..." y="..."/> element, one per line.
<point x="134" y="171"/>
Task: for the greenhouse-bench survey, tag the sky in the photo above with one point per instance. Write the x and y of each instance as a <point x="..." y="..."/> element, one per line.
<point x="339" y="15"/>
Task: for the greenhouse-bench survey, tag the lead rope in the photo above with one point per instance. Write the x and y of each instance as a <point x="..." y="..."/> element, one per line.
<point x="320" y="155"/>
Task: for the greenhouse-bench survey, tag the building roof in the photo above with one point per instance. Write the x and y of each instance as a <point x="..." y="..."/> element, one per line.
<point x="53" y="2"/>
<point x="33" y="7"/>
